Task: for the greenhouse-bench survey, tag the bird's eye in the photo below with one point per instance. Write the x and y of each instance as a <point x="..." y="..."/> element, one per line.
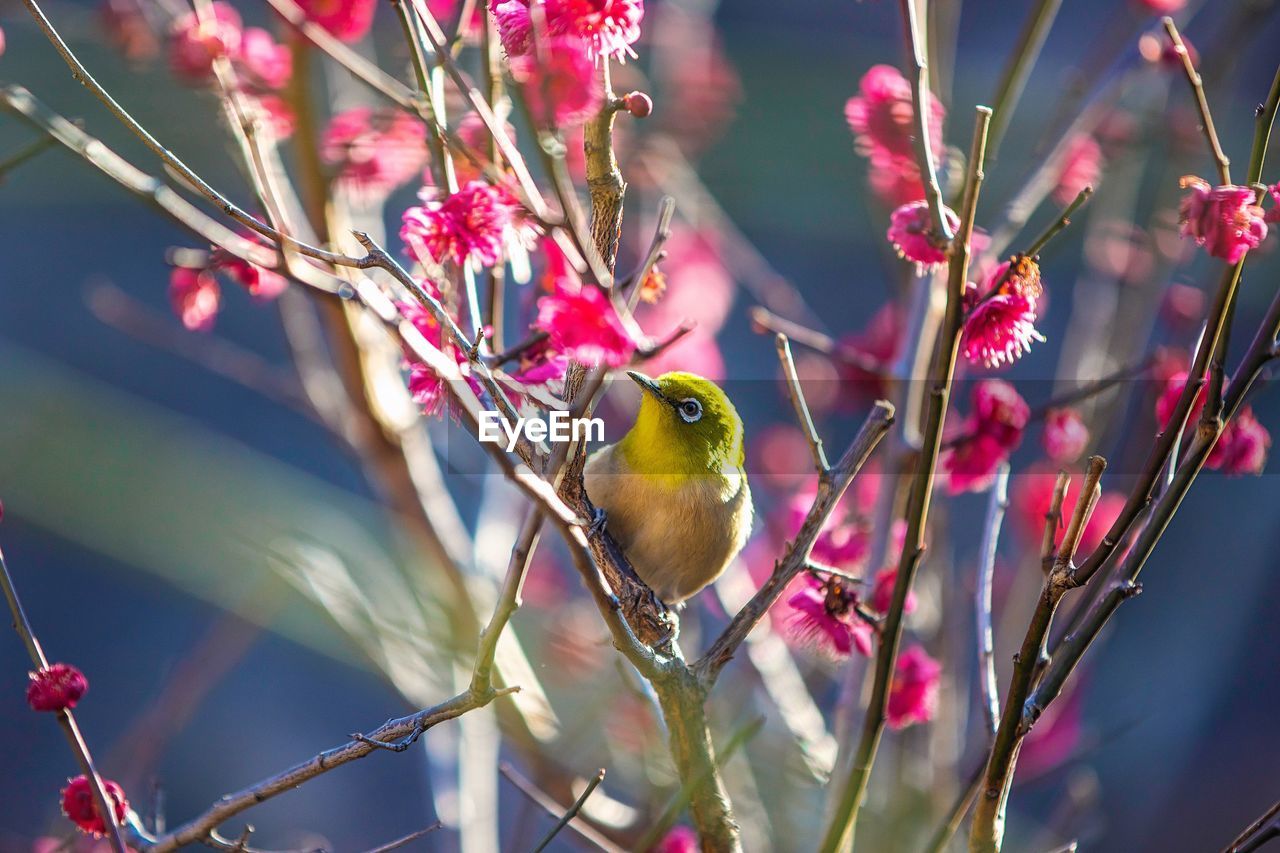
<point x="690" y="410"/>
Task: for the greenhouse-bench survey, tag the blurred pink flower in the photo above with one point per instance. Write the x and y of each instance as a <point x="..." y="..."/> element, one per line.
<point x="278" y="115"/>
<point x="1162" y="7"/>
<point x="882" y="117"/>
<point x="559" y="82"/>
<point x="1182" y="306"/>
<point x="912" y="238"/>
<point x="470" y="223"/>
<point x="1273" y="215"/>
<point x="882" y="591"/>
<point x="679" y="839"/>
<point x="878" y="343"/>
<point x="1223" y="219"/>
<point x="913" y="692"/>
<point x="897" y="184"/>
<point x="57" y="687"/>
<point x="195" y="297"/>
<point x="81" y="808"/>
<point x="374" y="152"/>
<point x="194" y="44"/>
<point x="583" y="324"/>
<point x="425" y="386"/>
<point x="823" y="617"/>
<point x="261" y="283"/>
<point x="992" y="431"/>
<point x="608" y="27"/>
<point x="1032" y="496"/>
<point x="1081" y="165"/>
<point x="346" y="20"/>
<point x="1065" y="436"/>
<point x="268" y="63"/>
<point x="1242" y="447"/>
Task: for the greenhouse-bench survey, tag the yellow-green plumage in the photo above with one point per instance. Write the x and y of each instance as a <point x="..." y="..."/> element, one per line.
<point x="674" y="489"/>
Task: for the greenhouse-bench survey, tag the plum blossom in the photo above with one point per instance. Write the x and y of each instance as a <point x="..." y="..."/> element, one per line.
<point x="196" y="41"/>
<point x="882" y="117"/>
<point x="992" y="431"/>
<point x="870" y="352"/>
<point x="1242" y="448"/>
<point x="1032" y="498"/>
<point x="559" y="82"/>
<point x="57" y="687"/>
<point x="607" y="27"/>
<point x="1225" y="220"/>
<point x="582" y="322"/>
<point x="823" y="615"/>
<point x="1065" y="436"/>
<point x="268" y="63"/>
<point x="195" y="297"/>
<point x="679" y="839"/>
<point x="1081" y="165"/>
<point x="913" y="692"/>
<point x="81" y="807"/>
<point x="882" y="591"/>
<point x="374" y="152"/>
<point x="469" y="224"/>
<point x="999" y="327"/>
<point x="912" y="235"/>
<point x="1273" y="215"/>
<point x="346" y="20"/>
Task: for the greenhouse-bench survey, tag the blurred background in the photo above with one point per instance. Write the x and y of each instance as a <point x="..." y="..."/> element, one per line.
<point x="219" y="566"/>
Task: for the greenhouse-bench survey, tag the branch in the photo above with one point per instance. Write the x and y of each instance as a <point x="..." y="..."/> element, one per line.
<point x="402" y="841"/>
<point x="551" y="807"/>
<point x="996" y="505"/>
<point x="66" y="720"/>
<point x="1257" y="833"/>
<point x="987" y="833"/>
<point x="796" y="559"/>
<point x="1202" y="103"/>
<point x="571" y="812"/>
<point x="839" y="833"/>
<point x="1014" y="77"/>
<point x="764" y="320"/>
<point x="920" y="103"/>
<point x="796" y="393"/>
<point x="1262" y="131"/>
<point x="1060" y="223"/>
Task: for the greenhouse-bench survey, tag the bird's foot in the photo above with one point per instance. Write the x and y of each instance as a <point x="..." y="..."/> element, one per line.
<point x="598" y="521"/>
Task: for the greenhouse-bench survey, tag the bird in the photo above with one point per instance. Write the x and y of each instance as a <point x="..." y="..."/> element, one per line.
<point x="673" y="491"/>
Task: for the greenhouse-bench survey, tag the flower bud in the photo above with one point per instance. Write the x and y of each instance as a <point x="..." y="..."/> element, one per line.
<point x="56" y="688"/>
<point x="638" y="104"/>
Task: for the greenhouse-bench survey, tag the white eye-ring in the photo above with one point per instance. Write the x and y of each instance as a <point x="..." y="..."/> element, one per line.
<point x="690" y="410"/>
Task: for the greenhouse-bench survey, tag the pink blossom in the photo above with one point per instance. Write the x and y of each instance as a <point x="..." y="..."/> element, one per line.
<point x="913" y="692"/>
<point x="1223" y="219"/>
<point x="897" y="183"/>
<point x="261" y="283"/>
<point x="470" y="223"/>
<point x="374" y="152"/>
<point x="194" y="44"/>
<point x="1242" y="447"/>
<point x="56" y="687"/>
<point x="2" y="42"/>
<point x="1065" y="436"/>
<point x="425" y="386"/>
<point x="1162" y="7"/>
<point x="1081" y="165"/>
<point x="1182" y="305"/>
<point x="991" y="432"/>
<point x="844" y="541"/>
<point x="823" y="616"/>
<point x="267" y="63"/>
<point x="1032" y="497"/>
<point x="278" y="115"/>
<point x="999" y="330"/>
<point x="195" y="297"/>
<point x="679" y="839"/>
<point x="81" y="807"/>
<point x="877" y="343"/>
<point x="882" y="591"/>
<point x="882" y="117"/>
<point x="912" y="235"/>
<point x="607" y="27"/>
<point x="1273" y="215"/>
<point x="559" y="82"/>
<point x="347" y="20"/>
<point x="583" y="324"/>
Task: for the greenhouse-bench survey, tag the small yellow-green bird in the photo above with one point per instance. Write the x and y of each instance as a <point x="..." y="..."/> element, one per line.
<point x="673" y="490"/>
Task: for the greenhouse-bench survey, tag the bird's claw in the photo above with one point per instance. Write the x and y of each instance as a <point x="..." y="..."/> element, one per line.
<point x="598" y="520"/>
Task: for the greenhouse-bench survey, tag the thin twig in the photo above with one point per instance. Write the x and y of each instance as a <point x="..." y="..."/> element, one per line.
<point x="541" y="799"/>
<point x="996" y="505"/>
<point x="764" y="320"/>
<point x="796" y="392"/>
<point x="923" y="138"/>
<point x="24" y="154"/>
<point x="66" y="720"/>
<point x="1202" y="103"/>
<point x="1060" y="223"/>
<point x="1035" y="30"/>
<point x="1257" y="833"/>
<point x="571" y="812"/>
<point x="407" y="839"/>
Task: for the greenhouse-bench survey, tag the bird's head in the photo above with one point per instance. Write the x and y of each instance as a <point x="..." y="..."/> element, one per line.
<point x="686" y="426"/>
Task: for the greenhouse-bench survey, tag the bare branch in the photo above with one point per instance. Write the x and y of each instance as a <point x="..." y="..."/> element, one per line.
<point x="571" y="812"/>
<point x="548" y="805"/>
<point x="996" y="505"/>
<point x="796" y="393"/>
<point x="920" y="96"/>
<point x="1202" y="103"/>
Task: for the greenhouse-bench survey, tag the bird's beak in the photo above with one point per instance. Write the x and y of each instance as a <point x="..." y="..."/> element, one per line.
<point x="647" y="384"/>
